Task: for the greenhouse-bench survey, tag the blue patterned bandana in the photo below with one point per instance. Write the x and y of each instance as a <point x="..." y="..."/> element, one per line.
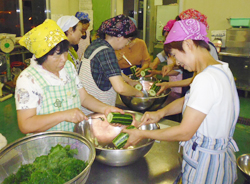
<point x="82" y="16"/>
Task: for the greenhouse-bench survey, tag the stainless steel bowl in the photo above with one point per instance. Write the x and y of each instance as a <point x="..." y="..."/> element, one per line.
<point x="145" y="103"/>
<point x="243" y="163"/>
<point x="25" y="150"/>
<point x="101" y="133"/>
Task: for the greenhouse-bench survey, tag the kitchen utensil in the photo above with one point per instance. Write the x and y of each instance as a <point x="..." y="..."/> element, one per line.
<point x="243" y="163"/>
<point x="126" y="60"/>
<point x="147" y="102"/>
<point x="26" y="149"/>
<point x="101" y="133"/>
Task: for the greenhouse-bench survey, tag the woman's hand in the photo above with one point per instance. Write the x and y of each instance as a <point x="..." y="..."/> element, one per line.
<point x="151" y="117"/>
<point x="138" y="72"/>
<point x="154" y="72"/>
<point x="112" y="109"/>
<point x="166" y="69"/>
<point x="164" y="86"/>
<point x="134" y="136"/>
<point x="133" y="82"/>
<point x="74" y="115"/>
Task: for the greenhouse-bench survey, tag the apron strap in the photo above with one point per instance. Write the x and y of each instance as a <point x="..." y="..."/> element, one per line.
<point x="96" y="51"/>
<point x="92" y="55"/>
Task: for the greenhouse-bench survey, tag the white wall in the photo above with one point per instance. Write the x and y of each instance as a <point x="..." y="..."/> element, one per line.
<point x="63" y="7"/>
<point x="218" y="11"/>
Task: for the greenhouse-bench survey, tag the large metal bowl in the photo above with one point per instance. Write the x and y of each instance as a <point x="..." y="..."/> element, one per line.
<point x="101" y="133"/>
<point x="145" y="103"/>
<point x="243" y="163"/>
<point x="25" y="150"/>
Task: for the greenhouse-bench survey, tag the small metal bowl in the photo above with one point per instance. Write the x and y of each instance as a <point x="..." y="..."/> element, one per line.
<point x="101" y="133"/>
<point x="243" y="163"/>
<point x="145" y="103"/>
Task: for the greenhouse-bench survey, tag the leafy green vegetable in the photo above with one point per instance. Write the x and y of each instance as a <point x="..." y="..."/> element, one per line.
<point x="58" y="167"/>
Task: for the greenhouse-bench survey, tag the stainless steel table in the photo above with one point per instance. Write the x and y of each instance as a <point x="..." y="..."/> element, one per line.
<point x="161" y="165"/>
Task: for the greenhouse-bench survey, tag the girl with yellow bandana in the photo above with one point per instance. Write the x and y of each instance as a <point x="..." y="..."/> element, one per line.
<point x="49" y="92"/>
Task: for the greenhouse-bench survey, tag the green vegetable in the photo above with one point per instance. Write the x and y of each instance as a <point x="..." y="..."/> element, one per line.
<point x="138" y="117"/>
<point x="120" y="140"/>
<point x="154" y="89"/>
<point x="58" y="167"/>
<point x="138" y="86"/>
<point x="133" y="71"/>
<point x="145" y="72"/>
<point x="116" y="117"/>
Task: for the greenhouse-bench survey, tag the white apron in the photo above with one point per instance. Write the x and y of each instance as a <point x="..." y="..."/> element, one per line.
<point x="207" y="160"/>
<point x="108" y="97"/>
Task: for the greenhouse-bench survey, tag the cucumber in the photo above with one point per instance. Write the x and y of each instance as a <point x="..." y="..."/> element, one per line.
<point x="145" y="72"/>
<point x="138" y="86"/>
<point x="120" y="140"/>
<point x="133" y="71"/>
<point x="138" y="117"/>
<point x="154" y="89"/>
<point x="123" y="119"/>
<point x="152" y="92"/>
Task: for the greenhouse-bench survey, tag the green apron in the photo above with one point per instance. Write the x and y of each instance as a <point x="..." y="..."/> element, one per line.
<point x="58" y="98"/>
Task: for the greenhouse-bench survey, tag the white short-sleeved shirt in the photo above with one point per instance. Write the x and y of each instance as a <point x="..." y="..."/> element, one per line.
<point x="211" y="94"/>
<point x="28" y="93"/>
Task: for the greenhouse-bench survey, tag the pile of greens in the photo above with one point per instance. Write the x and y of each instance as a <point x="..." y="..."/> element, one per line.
<point x="59" y="166"/>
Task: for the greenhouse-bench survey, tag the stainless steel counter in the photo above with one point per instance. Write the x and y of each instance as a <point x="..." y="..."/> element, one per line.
<point x="161" y="165"/>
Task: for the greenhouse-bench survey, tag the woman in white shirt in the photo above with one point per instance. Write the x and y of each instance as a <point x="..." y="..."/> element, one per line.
<point x="210" y="110"/>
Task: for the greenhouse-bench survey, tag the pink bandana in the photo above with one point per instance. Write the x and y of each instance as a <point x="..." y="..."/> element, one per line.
<point x="169" y="25"/>
<point x="187" y="29"/>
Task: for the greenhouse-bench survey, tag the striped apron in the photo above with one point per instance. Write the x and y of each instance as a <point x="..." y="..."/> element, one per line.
<point x="108" y="97"/>
<point x="208" y="160"/>
<point x="58" y="98"/>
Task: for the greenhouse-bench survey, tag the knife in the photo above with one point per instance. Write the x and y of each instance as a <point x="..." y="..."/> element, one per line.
<point x="126" y="60"/>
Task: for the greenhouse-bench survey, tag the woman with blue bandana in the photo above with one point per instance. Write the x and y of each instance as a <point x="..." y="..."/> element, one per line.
<point x="85" y="39"/>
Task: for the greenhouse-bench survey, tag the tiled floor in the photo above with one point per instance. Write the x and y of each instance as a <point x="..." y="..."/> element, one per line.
<point x="9" y="127"/>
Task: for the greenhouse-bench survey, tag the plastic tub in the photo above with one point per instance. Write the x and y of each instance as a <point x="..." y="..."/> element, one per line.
<point x="240" y="22"/>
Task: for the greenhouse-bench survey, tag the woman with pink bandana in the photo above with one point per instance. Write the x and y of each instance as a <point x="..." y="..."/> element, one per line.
<point x="187" y="77"/>
<point x="210" y="110"/>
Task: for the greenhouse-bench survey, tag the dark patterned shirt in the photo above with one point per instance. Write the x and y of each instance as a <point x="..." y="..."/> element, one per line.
<point x="104" y="64"/>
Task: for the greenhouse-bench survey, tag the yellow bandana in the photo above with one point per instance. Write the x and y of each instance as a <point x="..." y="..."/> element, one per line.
<point x="41" y="39"/>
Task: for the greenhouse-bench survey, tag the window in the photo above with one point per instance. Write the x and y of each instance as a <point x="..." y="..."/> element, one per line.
<point x="32" y="12"/>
